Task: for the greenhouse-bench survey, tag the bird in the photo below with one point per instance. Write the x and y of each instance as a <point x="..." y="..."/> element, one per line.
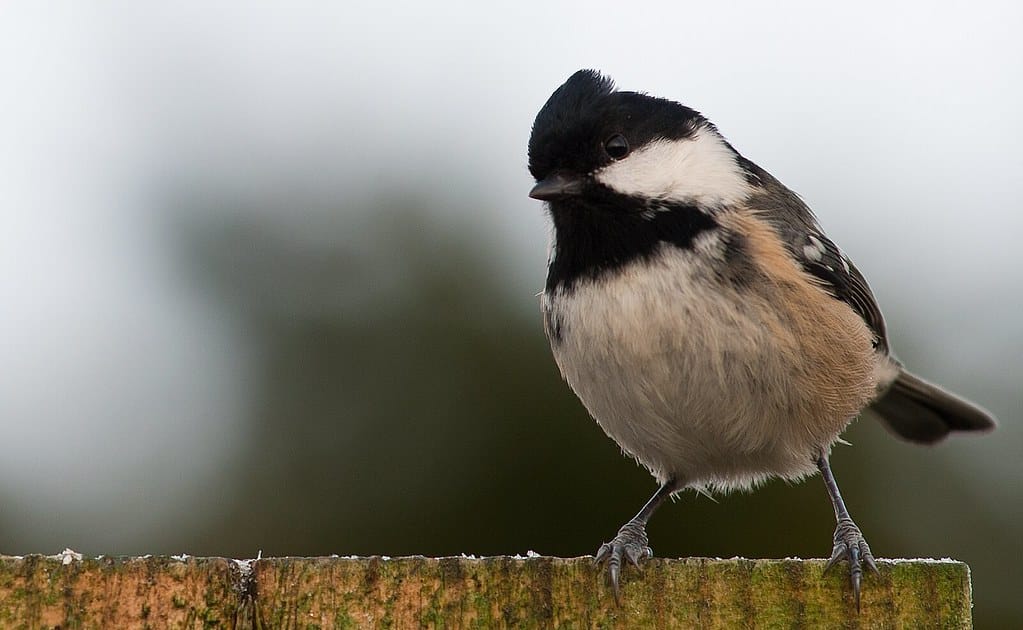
<point x="702" y="316"/>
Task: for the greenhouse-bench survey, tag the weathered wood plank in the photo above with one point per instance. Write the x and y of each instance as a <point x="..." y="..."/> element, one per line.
<point x="147" y="592"/>
<point x="569" y="593"/>
<point x="417" y="592"/>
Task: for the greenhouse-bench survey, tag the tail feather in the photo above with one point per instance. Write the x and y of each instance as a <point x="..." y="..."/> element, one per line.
<point x="918" y="411"/>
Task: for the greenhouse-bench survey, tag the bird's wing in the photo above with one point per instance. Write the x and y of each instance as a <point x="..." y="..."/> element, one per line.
<point x="816" y="253"/>
<point x="821" y="258"/>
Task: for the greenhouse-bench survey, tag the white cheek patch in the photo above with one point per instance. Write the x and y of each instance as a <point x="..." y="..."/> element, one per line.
<point x="701" y="169"/>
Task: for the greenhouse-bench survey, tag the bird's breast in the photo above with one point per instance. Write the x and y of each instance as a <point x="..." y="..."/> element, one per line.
<point x="695" y="377"/>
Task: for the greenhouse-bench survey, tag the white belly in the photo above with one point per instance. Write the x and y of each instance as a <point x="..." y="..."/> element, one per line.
<point x="699" y="381"/>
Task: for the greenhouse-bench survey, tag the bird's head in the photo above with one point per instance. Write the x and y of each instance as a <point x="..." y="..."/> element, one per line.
<point x="600" y="148"/>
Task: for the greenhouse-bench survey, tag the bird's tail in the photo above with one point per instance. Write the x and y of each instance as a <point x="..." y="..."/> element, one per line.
<point x="921" y="412"/>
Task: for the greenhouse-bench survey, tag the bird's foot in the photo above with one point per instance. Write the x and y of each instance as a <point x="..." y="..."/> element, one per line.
<point x="631" y="545"/>
<point x="851" y="546"/>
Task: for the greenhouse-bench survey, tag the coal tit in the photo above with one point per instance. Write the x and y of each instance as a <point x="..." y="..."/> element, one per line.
<point x="702" y="316"/>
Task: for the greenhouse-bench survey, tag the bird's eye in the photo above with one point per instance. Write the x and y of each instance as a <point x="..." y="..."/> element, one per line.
<point x="616" y="146"/>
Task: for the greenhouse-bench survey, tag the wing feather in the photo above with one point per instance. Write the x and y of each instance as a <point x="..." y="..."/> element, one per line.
<point x="816" y="253"/>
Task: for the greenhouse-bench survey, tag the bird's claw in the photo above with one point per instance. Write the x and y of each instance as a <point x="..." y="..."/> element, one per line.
<point x="851" y="546"/>
<point x="630" y="545"/>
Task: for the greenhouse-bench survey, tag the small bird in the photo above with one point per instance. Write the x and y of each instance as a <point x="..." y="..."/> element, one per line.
<point x="701" y="315"/>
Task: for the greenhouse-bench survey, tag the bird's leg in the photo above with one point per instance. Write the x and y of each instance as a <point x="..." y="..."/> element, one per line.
<point x="631" y="542"/>
<point x="849" y="542"/>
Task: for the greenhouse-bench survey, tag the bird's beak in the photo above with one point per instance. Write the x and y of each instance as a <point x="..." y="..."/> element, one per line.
<point x="556" y="186"/>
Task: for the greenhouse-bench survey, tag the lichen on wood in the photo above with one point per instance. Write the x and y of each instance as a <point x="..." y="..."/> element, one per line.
<point x="462" y="592"/>
<point x="147" y="592"/>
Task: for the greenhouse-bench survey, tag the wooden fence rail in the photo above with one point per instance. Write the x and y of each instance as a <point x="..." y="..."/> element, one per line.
<point x="67" y="591"/>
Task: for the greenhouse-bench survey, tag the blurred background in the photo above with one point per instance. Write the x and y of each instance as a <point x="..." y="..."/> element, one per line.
<point x="268" y="275"/>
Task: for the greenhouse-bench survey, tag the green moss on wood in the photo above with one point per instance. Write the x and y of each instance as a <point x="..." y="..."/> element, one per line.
<point x="472" y="593"/>
<point x="38" y="591"/>
<point x="570" y="593"/>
